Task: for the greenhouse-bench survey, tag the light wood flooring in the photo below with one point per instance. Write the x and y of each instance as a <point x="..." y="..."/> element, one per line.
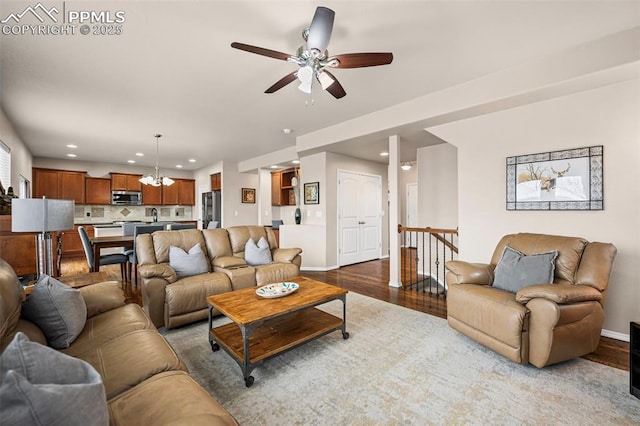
<point x="371" y="279"/>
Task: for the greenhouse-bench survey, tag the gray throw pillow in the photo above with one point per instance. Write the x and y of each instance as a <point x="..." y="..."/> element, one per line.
<point x="40" y="385"/>
<point x="188" y="264"/>
<point x="257" y="254"/>
<point x="515" y="270"/>
<point x="59" y="310"/>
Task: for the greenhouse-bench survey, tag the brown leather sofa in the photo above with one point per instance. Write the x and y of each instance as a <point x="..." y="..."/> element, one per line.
<point x="144" y="380"/>
<point x="172" y="302"/>
<point x="541" y="324"/>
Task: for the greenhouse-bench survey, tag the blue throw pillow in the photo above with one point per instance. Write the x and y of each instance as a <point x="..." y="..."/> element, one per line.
<point x="515" y="271"/>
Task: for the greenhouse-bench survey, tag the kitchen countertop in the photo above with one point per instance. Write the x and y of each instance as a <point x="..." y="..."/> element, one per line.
<point x="115" y="225"/>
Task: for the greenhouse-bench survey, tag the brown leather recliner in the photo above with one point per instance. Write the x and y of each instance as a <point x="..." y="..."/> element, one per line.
<point x="541" y="324"/>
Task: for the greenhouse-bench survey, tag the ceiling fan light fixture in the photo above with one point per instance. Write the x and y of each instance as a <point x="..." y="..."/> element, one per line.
<point x="325" y="80"/>
<point x="305" y="74"/>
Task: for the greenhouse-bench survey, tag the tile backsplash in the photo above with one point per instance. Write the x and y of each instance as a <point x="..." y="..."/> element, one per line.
<point x="108" y="214"/>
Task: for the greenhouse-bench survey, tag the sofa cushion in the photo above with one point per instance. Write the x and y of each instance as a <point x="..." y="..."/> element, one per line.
<point x="190" y="294"/>
<point x="276" y="272"/>
<point x="186" y="403"/>
<point x="188" y="264"/>
<point x="257" y="254"/>
<point x="59" y="310"/>
<point x="132" y="358"/>
<point x="515" y="271"/>
<point x="43" y="386"/>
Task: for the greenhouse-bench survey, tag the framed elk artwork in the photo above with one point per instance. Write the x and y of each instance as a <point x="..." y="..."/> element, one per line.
<point x="557" y="180"/>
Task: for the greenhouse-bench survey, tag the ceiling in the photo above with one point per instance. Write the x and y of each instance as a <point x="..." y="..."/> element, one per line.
<point x="172" y="71"/>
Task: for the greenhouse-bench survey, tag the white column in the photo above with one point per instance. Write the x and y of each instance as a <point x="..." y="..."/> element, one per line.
<point x="395" y="279"/>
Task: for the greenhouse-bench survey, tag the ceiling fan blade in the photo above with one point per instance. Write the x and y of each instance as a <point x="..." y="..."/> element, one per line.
<point x="320" y="29"/>
<point x="335" y="88"/>
<point x="361" y="60"/>
<point x="260" y="51"/>
<point x="281" y="83"/>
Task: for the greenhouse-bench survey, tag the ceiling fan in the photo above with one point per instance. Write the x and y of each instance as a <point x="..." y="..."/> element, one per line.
<point x="313" y="58"/>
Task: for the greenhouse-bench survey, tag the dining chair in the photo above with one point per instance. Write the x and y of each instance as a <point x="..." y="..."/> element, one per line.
<point x="107" y="259"/>
<point x="132" y="258"/>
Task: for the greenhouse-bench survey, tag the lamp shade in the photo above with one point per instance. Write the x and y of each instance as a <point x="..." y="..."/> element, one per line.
<point x="41" y="215"/>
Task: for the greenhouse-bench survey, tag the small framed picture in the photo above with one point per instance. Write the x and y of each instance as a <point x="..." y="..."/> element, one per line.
<point x="312" y="193"/>
<point x="248" y="195"/>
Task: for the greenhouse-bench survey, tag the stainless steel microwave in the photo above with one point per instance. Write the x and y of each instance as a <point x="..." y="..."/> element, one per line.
<point x="126" y="198"/>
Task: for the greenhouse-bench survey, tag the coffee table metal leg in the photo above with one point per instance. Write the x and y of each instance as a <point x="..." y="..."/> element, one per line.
<point x="247" y="368"/>
<point x="214" y="346"/>
<point x="345" y="334"/>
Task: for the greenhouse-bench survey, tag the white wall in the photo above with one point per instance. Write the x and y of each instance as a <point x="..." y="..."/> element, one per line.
<point x="406" y="177"/>
<point x="438" y="186"/>
<point x="234" y="212"/>
<point x="102" y="170"/>
<point x="21" y="158"/>
<point x="606" y="116"/>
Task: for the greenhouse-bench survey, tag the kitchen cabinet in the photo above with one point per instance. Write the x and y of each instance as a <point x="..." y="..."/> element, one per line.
<point x="72" y="244"/>
<point x="182" y="192"/>
<point x="125" y="182"/>
<point x="59" y="184"/>
<point x="282" y="187"/>
<point x="151" y="195"/>
<point x="216" y="182"/>
<point x="97" y="190"/>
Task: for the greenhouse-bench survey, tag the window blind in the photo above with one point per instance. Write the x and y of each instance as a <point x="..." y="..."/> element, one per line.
<point x="5" y="165"/>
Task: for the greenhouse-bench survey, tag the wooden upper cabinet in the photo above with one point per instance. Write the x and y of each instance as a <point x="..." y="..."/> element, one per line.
<point x="46" y="183"/>
<point x="170" y="194"/>
<point x="59" y="184"/>
<point x="151" y="195"/>
<point x="72" y="187"/>
<point x="125" y="182"/>
<point x="216" y="182"/>
<point x="276" y="194"/>
<point x="182" y="192"/>
<point x="187" y="192"/>
<point x="97" y="190"/>
<point x="282" y="187"/>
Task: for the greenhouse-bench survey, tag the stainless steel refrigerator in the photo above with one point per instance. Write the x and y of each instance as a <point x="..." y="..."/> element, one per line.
<point x="211" y="206"/>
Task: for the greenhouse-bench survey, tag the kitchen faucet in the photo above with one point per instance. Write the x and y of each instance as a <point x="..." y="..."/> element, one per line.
<point x="154" y="213"/>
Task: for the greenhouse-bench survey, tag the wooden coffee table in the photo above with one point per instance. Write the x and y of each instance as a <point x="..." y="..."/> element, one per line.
<point x="263" y="328"/>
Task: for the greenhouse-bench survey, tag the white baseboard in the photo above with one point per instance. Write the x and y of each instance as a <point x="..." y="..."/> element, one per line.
<point x="318" y="268"/>
<point x="386" y="256"/>
<point x="395" y="284"/>
<point x="616" y="335"/>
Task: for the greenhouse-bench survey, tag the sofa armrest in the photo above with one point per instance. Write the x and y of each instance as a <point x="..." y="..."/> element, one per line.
<point x="460" y="272"/>
<point x="562" y="294"/>
<point x="102" y="297"/>
<point x="158" y="270"/>
<point x="285" y="255"/>
<point x="229" y="262"/>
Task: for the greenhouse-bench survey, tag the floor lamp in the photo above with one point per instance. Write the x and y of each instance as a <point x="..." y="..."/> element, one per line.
<point x="42" y="215"/>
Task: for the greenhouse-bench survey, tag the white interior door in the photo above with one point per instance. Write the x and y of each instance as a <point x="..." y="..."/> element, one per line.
<point x="412" y="210"/>
<point x="359" y="229"/>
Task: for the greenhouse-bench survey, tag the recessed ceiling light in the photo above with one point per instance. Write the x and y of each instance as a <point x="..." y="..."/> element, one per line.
<point x="139" y="154"/>
<point x="287" y="131"/>
<point x="131" y="161"/>
<point x="296" y="162"/>
<point x="384" y="154"/>
<point x="72" y="146"/>
<point x="274" y="167"/>
<point x="71" y="155"/>
<point x="192" y="160"/>
<point x="178" y="166"/>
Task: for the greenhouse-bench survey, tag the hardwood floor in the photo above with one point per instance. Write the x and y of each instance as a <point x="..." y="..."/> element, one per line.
<point x="372" y="279"/>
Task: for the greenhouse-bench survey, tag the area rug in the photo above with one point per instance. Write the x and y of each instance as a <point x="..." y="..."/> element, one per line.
<point x="400" y="366"/>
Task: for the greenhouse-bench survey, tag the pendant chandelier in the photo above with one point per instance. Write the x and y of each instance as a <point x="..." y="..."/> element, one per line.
<point x="155" y="179"/>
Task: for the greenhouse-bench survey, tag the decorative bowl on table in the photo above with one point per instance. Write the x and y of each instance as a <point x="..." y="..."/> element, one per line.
<point x="271" y="291"/>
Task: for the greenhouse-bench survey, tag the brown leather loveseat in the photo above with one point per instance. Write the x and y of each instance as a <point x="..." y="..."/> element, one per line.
<point x="145" y="382"/>
<point x="541" y="323"/>
<point x="171" y="301"/>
